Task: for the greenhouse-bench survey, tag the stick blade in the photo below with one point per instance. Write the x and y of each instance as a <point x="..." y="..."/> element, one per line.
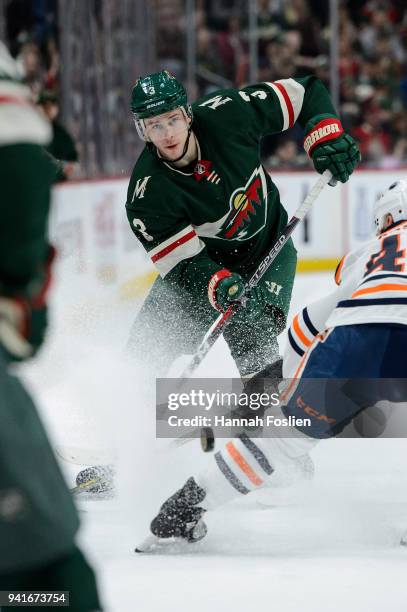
<point x="148" y="544"/>
<point x="154" y="544"/>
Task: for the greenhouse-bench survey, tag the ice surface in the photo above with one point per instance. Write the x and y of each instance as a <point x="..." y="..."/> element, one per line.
<point x="329" y="546"/>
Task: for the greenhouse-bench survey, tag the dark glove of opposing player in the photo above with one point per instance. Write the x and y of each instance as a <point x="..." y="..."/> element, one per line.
<point x="340" y="156"/>
<point x="231" y="289"/>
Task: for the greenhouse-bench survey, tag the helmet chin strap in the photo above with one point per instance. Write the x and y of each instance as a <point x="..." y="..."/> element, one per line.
<point x="185" y="149"/>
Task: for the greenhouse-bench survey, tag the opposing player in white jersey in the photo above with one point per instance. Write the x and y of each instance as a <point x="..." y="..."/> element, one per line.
<point x="357" y="332"/>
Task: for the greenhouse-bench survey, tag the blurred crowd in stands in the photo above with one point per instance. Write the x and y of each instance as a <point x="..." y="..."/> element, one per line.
<point x="293" y="40"/>
<point x="31" y="34"/>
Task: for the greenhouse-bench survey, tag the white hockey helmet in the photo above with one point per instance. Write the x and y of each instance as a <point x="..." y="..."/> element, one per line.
<point x="392" y="202"/>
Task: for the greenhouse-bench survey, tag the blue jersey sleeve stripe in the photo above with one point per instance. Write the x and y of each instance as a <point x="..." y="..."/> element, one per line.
<point x="308" y="322"/>
<point x="294" y="345"/>
<point x="380" y="276"/>
<point x="371" y="302"/>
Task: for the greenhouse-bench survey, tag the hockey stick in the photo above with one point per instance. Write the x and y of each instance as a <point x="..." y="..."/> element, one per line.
<point x="224" y="319"/>
<point x="79" y="455"/>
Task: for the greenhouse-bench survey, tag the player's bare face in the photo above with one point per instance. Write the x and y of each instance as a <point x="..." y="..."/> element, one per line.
<point x="168" y="132"/>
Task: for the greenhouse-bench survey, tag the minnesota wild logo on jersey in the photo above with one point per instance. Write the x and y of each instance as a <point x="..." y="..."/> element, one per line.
<point x="248" y="209"/>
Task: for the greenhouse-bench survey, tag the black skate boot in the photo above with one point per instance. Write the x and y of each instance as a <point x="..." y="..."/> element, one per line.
<point x="180" y="517"/>
<point x="95" y="482"/>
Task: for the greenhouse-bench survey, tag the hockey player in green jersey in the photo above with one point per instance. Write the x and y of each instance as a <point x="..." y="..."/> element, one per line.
<point x="38" y="520"/>
<point x="207" y="212"/>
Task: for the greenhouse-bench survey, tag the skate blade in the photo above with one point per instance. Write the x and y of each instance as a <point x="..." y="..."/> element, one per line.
<point x="153" y="544"/>
<point x="85" y="486"/>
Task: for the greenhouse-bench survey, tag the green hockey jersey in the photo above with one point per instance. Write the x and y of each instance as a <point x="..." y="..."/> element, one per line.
<point x="226" y="211"/>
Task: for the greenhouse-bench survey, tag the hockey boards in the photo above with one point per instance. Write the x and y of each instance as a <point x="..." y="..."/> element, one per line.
<point x="79" y="455"/>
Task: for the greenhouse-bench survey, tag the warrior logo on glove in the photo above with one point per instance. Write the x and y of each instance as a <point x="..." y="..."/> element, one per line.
<point x="330" y="147"/>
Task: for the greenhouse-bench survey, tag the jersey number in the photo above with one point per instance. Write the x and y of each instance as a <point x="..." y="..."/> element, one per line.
<point x="140" y="227"/>
<point x="390" y="258"/>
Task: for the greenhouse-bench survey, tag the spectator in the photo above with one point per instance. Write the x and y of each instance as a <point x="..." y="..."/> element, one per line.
<point x="208" y="63"/>
<point x="232" y="49"/>
<point x="374" y="141"/>
<point x="282" y="62"/>
<point x="268" y="27"/>
<point x="29" y="60"/>
<point x="288" y="156"/>
<point x="62" y="145"/>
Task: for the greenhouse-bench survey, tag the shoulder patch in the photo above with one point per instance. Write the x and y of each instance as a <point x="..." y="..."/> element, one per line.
<point x="140" y="188"/>
<point x="216" y="101"/>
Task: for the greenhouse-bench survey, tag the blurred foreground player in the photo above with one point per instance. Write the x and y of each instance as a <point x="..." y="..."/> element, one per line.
<point x="38" y="521"/>
<point x="207" y="212"/>
<point x="353" y="340"/>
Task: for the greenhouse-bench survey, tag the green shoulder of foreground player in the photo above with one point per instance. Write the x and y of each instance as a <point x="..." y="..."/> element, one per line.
<point x="38" y="519"/>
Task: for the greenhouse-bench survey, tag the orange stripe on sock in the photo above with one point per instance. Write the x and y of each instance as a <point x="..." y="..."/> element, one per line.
<point x="242" y="463"/>
<point x="299" y="333"/>
<point x="378" y="288"/>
